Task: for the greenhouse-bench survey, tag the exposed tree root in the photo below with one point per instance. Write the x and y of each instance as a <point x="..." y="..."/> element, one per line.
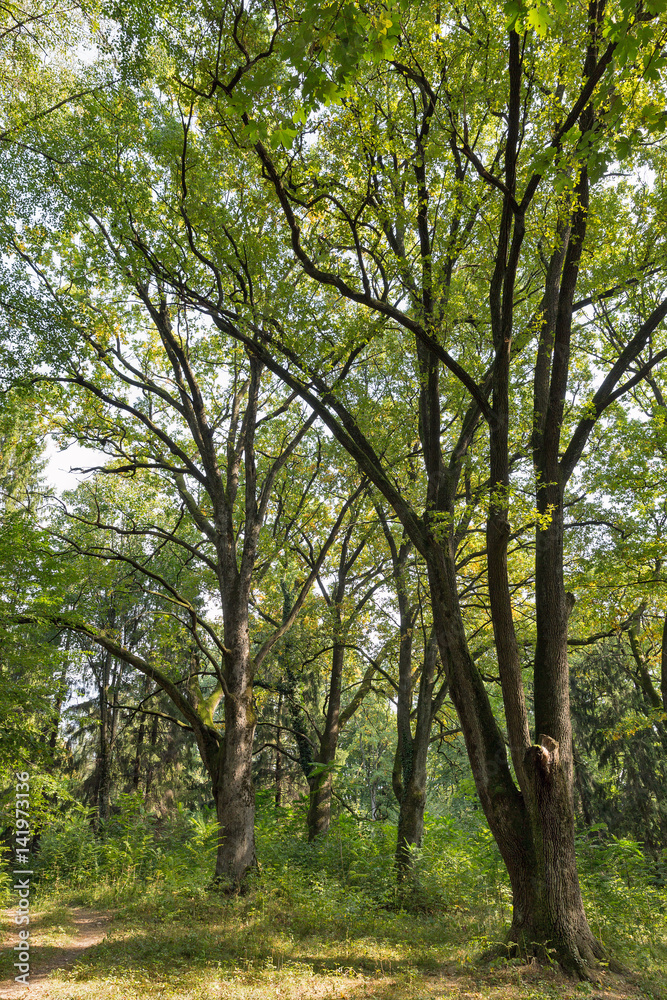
<point x="583" y="959"/>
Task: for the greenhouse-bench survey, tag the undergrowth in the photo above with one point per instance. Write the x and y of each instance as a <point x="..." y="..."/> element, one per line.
<point x="327" y="907"/>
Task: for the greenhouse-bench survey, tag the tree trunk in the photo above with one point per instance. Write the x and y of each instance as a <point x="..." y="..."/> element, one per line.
<point x="150" y="766"/>
<point x="413" y="787"/>
<point x="61" y="691"/>
<point x="319" y="805"/>
<point x="104" y="758"/>
<point x="410" y="823"/>
<point x="278" y="772"/>
<point x="534" y="830"/>
<point x="320" y="780"/>
<point x="548" y="909"/>
<point x="408" y="777"/>
<point x="581" y="781"/>
<point x="663" y="666"/>
<point x="234" y="790"/>
<point x="139" y="746"/>
<point x="406" y="781"/>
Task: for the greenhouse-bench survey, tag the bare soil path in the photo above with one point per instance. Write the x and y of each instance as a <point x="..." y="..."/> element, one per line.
<point x="91" y="927"/>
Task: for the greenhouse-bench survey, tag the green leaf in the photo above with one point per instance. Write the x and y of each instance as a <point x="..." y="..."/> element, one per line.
<point x="543" y="160"/>
<point x="540" y="19"/>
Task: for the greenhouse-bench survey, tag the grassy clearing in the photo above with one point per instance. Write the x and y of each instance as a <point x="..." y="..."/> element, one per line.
<point x="323" y="921"/>
<point x="172" y="944"/>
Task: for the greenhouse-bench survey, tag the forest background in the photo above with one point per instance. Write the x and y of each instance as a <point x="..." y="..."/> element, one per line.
<point x="353" y="626"/>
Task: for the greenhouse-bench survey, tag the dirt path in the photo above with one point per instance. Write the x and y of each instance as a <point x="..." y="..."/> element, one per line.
<point x="91" y="929"/>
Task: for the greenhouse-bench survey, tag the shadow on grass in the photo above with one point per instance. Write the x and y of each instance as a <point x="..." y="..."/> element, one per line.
<point x="253" y="958"/>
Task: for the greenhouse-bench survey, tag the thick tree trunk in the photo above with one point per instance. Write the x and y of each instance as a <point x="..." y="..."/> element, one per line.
<point x="534" y="828"/>
<point x="410" y="823"/>
<point x="235" y="795"/>
<point x="549" y="918"/>
<point x="319" y="805"/>
<point x="234" y="790"/>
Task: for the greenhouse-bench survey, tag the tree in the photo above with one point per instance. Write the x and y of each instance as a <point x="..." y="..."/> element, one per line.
<point x="621" y="762"/>
<point x="325" y="667"/>
<point x="347" y="596"/>
<point x="392" y="210"/>
<point x="168" y="435"/>
<point x="444" y="219"/>
<point x="410" y="773"/>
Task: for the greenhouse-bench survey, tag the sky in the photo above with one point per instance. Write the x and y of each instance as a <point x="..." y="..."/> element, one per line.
<point x="59" y="464"/>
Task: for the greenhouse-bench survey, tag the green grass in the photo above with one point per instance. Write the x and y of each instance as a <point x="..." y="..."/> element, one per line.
<point x="324" y="921"/>
<point x="166" y="944"/>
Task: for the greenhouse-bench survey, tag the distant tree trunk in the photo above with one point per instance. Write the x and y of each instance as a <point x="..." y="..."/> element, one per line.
<point x="105" y="743"/>
<point x="319" y="775"/>
<point x="139" y="745"/>
<point x="320" y="782"/>
<point x="136" y="770"/>
<point x="374" y="808"/>
<point x="663" y="666"/>
<point x="409" y="773"/>
<point x="406" y="779"/>
<point x="581" y="780"/>
<point x="278" y="770"/>
<point x="150" y="763"/>
<point x="61" y="691"/>
<point x="413" y="755"/>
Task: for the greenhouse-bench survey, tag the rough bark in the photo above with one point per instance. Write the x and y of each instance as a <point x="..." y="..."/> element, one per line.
<point x="234" y="791"/>
<point x="549" y="914"/>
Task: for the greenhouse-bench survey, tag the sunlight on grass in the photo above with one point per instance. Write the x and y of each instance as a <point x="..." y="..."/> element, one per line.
<point x="323" y="921"/>
<point x="198" y="946"/>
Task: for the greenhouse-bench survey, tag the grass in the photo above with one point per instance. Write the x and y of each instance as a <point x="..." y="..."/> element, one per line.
<point x="322" y="922"/>
<point x="196" y="946"/>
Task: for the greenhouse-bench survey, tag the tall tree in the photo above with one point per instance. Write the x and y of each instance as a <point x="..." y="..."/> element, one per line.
<point x="207" y="463"/>
<point x="356" y="578"/>
<point x="425" y="194"/>
<point x="446" y="215"/>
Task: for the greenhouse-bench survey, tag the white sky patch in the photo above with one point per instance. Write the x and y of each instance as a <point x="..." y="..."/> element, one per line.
<point x="60" y="465"/>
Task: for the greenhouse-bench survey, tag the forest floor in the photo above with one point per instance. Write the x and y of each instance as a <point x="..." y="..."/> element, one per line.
<point x="213" y="949"/>
<point x="58" y="944"/>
